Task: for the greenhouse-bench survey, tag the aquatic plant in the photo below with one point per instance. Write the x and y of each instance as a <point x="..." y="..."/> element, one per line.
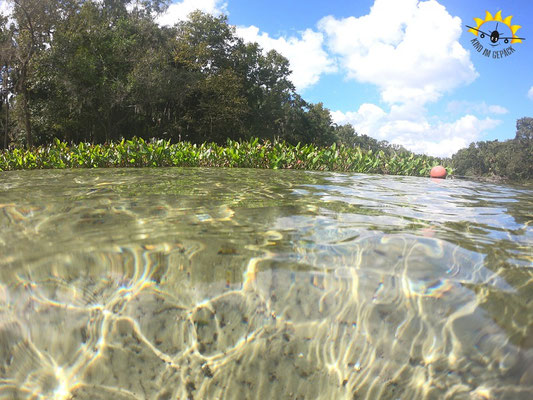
<point x="254" y="153"/>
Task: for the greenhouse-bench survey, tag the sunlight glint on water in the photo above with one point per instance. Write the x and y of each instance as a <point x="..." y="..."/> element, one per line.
<point x="236" y="284"/>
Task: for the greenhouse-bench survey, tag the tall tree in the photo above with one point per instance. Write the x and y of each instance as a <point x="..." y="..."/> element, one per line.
<point x="524" y="130"/>
<point x="510" y="159"/>
<point x="257" y="85"/>
<point x="34" y="22"/>
<point x="100" y="80"/>
<point x="6" y="65"/>
<point x="269" y="91"/>
<point x="98" y="70"/>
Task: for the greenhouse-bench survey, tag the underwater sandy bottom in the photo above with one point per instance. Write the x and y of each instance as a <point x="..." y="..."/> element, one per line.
<point x="198" y="284"/>
<point x="157" y="330"/>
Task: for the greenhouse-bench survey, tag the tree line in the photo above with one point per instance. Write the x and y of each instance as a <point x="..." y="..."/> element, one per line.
<point x="511" y="159"/>
<point x="102" y="70"/>
<point x="99" y="71"/>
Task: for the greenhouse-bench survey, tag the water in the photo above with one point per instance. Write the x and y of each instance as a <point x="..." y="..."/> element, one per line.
<point x="252" y="284"/>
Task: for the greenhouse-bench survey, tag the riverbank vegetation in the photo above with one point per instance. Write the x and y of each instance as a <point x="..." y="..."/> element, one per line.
<point x="512" y="159"/>
<point x="254" y="153"/>
<point x="104" y="72"/>
<point x="99" y="71"/>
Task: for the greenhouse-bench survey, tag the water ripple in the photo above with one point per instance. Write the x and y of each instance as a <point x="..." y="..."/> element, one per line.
<point x="198" y="283"/>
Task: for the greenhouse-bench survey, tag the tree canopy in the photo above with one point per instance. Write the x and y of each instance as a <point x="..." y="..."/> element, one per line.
<point x="510" y="159"/>
<point x="102" y="70"/>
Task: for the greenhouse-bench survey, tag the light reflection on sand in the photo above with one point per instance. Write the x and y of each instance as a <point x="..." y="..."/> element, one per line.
<point x="271" y="293"/>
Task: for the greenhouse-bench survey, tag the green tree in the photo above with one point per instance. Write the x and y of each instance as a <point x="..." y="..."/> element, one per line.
<point x="6" y="85"/>
<point x="87" y="70"/>
<point x="345" y="135"/>
<point x="269" y="91"/>
<point x="34" y="23"/>
<point x="91" y="84"/>
<point x="214" y="105"/>
<point x="511" y="159"/>
<point x="257" y="85"/>
<point x="320" y="129"/>
<point x="216" y="109"/>
<point x="524" y="130"/>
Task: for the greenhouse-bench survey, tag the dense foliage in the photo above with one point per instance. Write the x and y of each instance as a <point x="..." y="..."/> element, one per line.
<point x="510" y="159"/>
<point x="254" y="153"/>
<point x="100" y="71"/>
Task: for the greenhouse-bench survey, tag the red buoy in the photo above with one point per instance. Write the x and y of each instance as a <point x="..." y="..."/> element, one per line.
<point x="438" y="172"/>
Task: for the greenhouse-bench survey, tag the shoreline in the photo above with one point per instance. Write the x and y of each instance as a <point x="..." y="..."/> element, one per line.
<point x="253" y="153"/>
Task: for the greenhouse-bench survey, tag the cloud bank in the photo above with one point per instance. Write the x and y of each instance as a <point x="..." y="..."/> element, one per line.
<point x="410" y="51"/>
<point x="461" y="106"/>
<point x="421" y="135"/>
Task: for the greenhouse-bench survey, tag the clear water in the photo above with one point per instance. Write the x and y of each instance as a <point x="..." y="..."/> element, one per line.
<point x="251" y="284"/>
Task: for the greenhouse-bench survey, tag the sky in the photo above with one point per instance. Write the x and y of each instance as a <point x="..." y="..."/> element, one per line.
<point x="405" y="71"/>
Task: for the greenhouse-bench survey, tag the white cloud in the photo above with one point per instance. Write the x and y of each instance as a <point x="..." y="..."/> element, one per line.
<point x="530" y="93"/>
<point x="496" y="109"/>
<point x="462" y="106"/>
<point x="5" y="7"/>
<point x="179" y="11"/>
<point x="307" y="57"/>
<point x="408" y="48"/>
<point x="365" y="120"/>
<point x="414" y="131"/>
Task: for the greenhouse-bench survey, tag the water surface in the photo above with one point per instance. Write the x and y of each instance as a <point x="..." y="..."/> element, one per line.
<point x="259" y="284"/>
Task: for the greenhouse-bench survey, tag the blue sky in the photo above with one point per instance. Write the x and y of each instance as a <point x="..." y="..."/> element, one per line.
<point x="398" y="70"/>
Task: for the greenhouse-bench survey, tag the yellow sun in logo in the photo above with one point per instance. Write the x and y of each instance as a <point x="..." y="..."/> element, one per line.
<point x="497" y="18"/>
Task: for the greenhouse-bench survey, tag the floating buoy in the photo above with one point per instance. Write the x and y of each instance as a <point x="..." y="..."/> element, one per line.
<point x="438" y="172"/>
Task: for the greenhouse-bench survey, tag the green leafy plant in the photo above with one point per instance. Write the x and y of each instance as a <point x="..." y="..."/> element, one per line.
<point x="254" y="153"/>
